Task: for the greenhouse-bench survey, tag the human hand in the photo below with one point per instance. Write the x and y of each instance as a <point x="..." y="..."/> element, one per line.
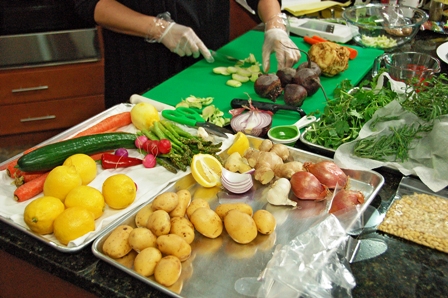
<point x="183" y="41"/>
<point x="286" y="52"/>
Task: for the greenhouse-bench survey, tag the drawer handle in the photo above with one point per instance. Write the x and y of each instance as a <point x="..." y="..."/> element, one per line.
<point x="38" y="118"/>
<point x="29" y="89"/>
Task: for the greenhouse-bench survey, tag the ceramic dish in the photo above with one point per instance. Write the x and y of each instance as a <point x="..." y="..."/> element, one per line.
<point x="442" y="52"/>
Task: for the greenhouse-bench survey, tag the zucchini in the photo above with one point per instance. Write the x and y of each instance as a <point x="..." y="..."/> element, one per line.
<point x="50" y="156"/>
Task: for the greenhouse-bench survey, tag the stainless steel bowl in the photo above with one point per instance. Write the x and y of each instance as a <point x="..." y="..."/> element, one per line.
<point x="384" y="26"/>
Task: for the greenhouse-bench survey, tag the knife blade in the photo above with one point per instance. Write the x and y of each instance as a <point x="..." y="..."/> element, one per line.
<point x="266" y="106"/>
<point x="220" y="56"/>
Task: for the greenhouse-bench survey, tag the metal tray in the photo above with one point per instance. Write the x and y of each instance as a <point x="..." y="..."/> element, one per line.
<point x="216" y="264"/>
<point x="11" y="212"/>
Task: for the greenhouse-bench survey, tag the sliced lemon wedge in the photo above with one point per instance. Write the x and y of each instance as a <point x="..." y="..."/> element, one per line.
<point x="206" y="170"/>
<point x="240" y="144"/>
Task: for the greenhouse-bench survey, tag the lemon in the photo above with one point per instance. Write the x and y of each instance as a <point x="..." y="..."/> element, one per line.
<point x="40" y="214"/>
<point x="119" y="191"/>
<point x="73" y="223"/>
<point x="206" y="170"/>
<point x="143" y="115"/>
<point x="88" y="197"/>
<point x="60" y="181"/>
<point x="85" y="165"/>
<point x="240" y="144"/>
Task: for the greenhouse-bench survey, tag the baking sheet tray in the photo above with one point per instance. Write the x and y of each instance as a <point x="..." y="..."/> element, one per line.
<point x="11" y="212"/>
<point x="216" y="264"/>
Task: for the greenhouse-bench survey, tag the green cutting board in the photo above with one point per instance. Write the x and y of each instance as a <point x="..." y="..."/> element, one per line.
<point x="200" y="81"/>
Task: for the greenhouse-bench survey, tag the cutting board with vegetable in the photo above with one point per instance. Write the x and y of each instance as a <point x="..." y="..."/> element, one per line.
<point x="199" y="79"/>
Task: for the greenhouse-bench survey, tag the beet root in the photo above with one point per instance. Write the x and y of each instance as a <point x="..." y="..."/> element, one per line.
<point x="313" y="65"/>
<point x="285" y="75"/>
<point x="268" y="86"/>
<point x="308" y="79"/>
<point x="294" y="95"/>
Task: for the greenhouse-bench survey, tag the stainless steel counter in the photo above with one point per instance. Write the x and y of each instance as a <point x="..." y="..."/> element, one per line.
<point x="49" y="48"/>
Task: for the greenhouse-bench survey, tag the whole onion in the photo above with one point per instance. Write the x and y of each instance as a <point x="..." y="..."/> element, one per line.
<point x="346" y="198"/>
<point x="328" y="173"/>
<point x="306" y="186"/>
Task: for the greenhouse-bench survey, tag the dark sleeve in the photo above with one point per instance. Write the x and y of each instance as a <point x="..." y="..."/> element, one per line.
<point x="86" y="10"/>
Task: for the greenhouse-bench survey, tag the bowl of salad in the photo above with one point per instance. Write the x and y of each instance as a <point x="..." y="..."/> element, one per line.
<point x="384" y="26"/>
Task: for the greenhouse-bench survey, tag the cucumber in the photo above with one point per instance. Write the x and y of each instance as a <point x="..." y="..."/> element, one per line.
<point x="50" y="156"/>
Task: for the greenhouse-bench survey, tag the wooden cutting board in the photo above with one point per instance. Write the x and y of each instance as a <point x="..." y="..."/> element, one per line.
<point x="199" y="79"/>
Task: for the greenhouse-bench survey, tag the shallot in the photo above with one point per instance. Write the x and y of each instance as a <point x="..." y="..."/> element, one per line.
<point x="346" y="198"/>
<point x="306" y="186"/>
<point x="328" y="173"/>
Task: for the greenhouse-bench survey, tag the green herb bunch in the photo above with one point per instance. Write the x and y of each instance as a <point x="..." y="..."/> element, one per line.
<point x="345" y="115"/>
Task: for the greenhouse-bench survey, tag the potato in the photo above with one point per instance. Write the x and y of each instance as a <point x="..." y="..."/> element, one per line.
<point x="175" y="245"/>
<point x="207" y="222"/>
<point x="168" y="270"/>
<point x="195" y="204"/>
<point x="117" y="244"/>
<point x="159" y="223"/>
<point x="222" y="209"/>
<point x="181" y="226"/>
<point x="184" y="197"/>
<point x="128" y="260"/>
<point x="141" y="238"/>
<point x="240" y="226"/>
<point x="265" y="222"/>
<point x="141" y="218"/>
<point x="145" y="262"/>
<point x="165" y="201"/>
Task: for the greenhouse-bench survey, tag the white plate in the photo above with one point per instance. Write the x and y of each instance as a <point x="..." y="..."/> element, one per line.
<point x="442" y="52"/>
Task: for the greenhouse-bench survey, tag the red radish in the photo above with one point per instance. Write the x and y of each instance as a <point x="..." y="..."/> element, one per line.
<point x="122" y="152"/>
<point x="328" y="173"/>
<point x="140" y="141"/>
<point x="149" y="161"/>
<point x="150" y="146"/>
<point x="306" y="186"/>
<point x="346" y="198"/>
<point x="164" y="146"/>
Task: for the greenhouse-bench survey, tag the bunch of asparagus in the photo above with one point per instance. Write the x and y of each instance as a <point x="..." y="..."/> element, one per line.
<point x="184" y="145"/>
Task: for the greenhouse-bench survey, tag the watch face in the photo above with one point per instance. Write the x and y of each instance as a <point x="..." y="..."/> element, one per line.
<point x="318" y="26"/>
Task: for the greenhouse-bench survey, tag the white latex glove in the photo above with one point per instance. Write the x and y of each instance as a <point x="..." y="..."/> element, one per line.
<point x="277" y="40"/>
<point x="183" y="41"/>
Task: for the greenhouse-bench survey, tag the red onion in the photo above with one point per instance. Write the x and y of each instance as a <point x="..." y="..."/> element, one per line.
<point x="328" y="173"/>
<point x="346" y="198"/>
<point x="255" y="122"/>
<point x="306" y="186"/>
<point x="122" y="152"/>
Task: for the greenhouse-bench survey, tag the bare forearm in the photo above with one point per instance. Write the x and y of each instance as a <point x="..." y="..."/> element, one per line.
<point x="267" y="10"/>
<point x="115" y="16"/>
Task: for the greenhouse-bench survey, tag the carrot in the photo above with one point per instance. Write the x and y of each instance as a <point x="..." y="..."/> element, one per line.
<point x="30" y="189"/>
<point x="11" y="168"/>
<point x="353" y="53"/>
<point x="111" y="123"/>
<point x="310" y="40"/>
<point x="318" y="38"/>
<point x="25" y="177"/>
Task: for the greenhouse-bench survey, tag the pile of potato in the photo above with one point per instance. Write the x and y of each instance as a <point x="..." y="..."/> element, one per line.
<point x="160" y="244"/>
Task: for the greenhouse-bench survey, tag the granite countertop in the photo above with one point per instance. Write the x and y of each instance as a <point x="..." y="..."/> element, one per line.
<point x="406" y="269"/>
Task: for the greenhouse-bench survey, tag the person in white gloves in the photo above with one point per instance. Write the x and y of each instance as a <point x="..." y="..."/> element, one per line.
<point x="148" y="41"/>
